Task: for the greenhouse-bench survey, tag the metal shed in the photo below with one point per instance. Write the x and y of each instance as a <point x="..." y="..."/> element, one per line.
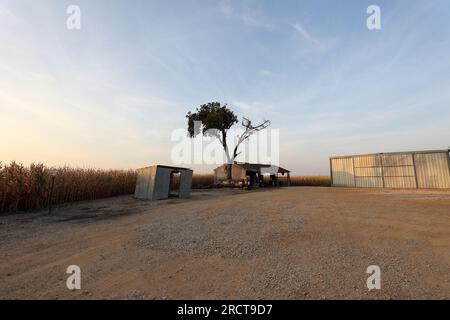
<point x="413" y="169"/>
<point x="158" y="182"/>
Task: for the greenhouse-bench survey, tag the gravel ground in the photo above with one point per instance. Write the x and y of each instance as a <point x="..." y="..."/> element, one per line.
<point x="291" y="243"/>
<point x="231" y="233"/>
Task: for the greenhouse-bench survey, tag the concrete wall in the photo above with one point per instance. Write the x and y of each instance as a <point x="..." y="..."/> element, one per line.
<point x="153" y="183"/>
<point x="237" y="173"/>
<point x="220" y="173"/>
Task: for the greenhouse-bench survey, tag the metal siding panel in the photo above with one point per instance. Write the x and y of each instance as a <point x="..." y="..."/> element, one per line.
<point x="433" y="170"/>
<point x="145" y="183"/>
<point x="405" y="171"/>
<point x="185" y="183"/>
<point x="397" y="159"/>
<point x="400" y="182"/>
<point x="369" y="182"/>
<point x="421" y="169"/>
<point x="142" y="183"/>
<point x="367" y="161"/>
<point x="398" y="170"/>
<point x="161" y="186"/>
<point x="342" y="172"/>
<point x="368" y="172"/>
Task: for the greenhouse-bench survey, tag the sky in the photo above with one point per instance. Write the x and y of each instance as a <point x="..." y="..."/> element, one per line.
<point x="110" y="94"/>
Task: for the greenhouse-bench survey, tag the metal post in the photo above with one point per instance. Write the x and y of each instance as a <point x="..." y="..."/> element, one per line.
<point x="331" y="171"/>
<point x="448" y="158"/>
<point x="382" y="168"/>
<point x="415" y="169"/>
<point x="354" y="174"/>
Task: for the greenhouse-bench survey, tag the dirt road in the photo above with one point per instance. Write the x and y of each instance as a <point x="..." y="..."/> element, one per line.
<point x="294" y="243"/>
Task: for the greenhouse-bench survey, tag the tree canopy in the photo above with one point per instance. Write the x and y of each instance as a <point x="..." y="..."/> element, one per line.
<point x="212" y="115"/>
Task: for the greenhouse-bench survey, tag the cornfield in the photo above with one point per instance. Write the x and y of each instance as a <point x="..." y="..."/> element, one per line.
<point x="201" y="181"/>
<point x="28" y="188"/>
<point x="311" y="181"/>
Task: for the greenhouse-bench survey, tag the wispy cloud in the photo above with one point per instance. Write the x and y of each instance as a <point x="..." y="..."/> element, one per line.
<point x="305" y="34"/>
<point x="6" y="13"/>
<point x="252" y="16"/>
<point x="266" y="73"/>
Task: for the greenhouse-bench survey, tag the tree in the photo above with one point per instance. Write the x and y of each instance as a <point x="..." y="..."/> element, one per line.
<point x="216" y="120"/>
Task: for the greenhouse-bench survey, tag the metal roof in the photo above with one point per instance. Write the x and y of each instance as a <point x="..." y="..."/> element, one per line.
<point x="166" y="167"/>
<point x="258" y="167"/>
<point x="391" y="153"/>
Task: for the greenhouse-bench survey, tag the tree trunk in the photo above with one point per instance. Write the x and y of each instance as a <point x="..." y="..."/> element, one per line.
<point x="229" y="168"/>
<point x="225" y="148"/>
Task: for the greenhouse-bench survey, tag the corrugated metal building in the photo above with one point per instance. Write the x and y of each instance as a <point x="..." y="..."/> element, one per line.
<point x="416" y="169"/>
<point x="158" y="182"/>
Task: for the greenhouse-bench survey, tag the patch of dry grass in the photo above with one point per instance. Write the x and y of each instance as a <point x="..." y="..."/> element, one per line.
<point x="200" y="181"/>
<point x="312" y="181"/>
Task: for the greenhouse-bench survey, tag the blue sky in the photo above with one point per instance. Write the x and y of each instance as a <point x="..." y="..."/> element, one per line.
<point x="110" y="94"/>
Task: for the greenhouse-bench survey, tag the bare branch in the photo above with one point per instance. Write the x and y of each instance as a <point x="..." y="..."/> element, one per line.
<point x="249" y="130"/>
<point x="246" y="123"/>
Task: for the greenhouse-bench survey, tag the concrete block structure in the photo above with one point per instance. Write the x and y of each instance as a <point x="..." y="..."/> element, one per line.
<point x="252" y="172"/>
<point x="163" y="182"/>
